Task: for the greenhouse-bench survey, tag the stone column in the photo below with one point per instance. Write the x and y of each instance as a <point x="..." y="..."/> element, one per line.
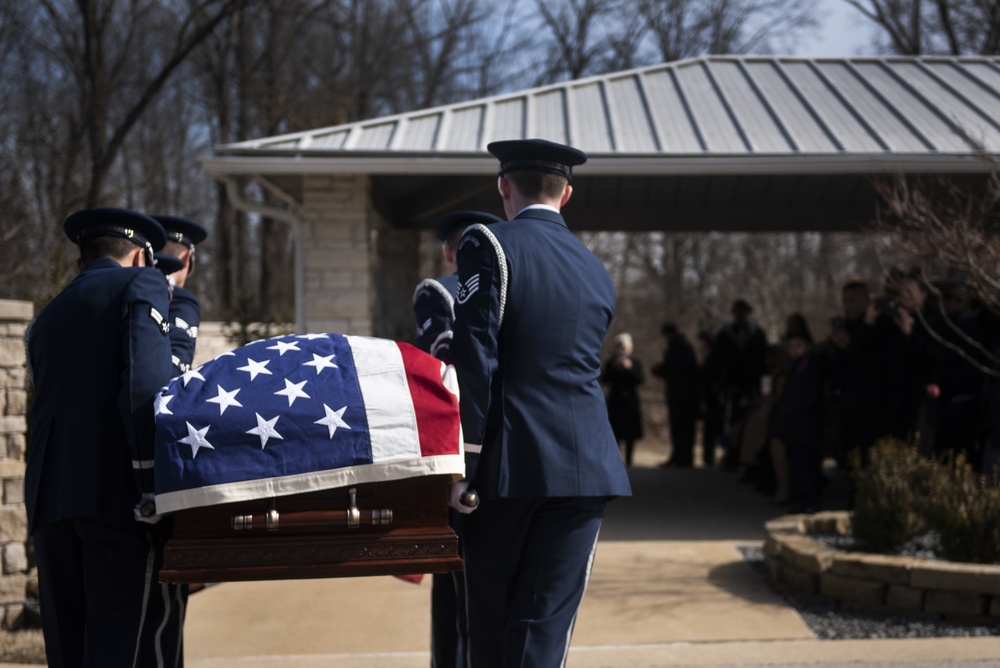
<point x="336" y="232"/>
<point x="14" y="317"/>
<point x="360" y="270"/>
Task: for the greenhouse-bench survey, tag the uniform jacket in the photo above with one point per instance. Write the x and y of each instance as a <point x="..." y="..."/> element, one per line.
<point x="185" y="317"/>
<point x="434" y="310"/>
<point x="97" y="354"/>
<point x="532" y="309"/>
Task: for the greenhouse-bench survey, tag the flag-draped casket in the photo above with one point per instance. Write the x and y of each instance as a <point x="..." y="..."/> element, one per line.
<point x="315" y="455"/>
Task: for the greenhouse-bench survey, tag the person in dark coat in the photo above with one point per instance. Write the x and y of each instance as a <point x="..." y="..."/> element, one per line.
<point x="711" y="408"/>
<point x="959" y="378"/>
<point x="798" y="420"/>
<point x="741" y="350"/>
<point x="679" y="370"/>
<point x="533" y="308"/>
<point x="97" y="355"/>
<point x="623" y="374"/>
<point x="906" y="357"/>
<point x="854" y="376"/>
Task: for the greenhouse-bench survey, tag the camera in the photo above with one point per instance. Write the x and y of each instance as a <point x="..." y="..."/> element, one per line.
<point x="886" y="303"/>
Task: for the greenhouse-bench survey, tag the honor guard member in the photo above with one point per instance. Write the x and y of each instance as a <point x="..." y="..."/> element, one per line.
<point x="185" y="313"/>
<point x="533" y="307"/>
<point x="434" y="310"/>
<point x="434" y="299"/>
<point x="97" y="355"/>
<point x="169" y="601"/>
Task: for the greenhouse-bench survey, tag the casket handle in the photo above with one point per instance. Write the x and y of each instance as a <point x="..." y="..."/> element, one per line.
<point x="307" y="520"/>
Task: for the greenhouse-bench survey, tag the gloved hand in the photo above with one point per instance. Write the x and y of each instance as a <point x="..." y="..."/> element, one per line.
<point x="145" y="510"/>
<point x="462" y="498"/>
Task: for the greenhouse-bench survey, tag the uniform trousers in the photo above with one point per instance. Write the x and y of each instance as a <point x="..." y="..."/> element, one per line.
<point x="163" y="631"/>
<point x="449" y="631"/>
<point x="527" y="563"/>
<point x="94" y="581"/>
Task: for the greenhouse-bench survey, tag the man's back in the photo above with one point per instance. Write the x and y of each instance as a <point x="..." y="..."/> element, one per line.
<point x="91" y="390"/>
<point x="554" y="438"/>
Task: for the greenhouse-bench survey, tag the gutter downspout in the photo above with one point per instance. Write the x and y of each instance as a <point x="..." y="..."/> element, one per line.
<point x="291" y="217"/>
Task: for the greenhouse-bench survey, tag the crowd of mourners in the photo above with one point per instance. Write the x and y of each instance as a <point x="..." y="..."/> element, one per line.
<point x="916" y="361"/>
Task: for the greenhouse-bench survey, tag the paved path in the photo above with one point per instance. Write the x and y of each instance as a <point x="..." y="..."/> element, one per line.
<point x="668" y="589"/>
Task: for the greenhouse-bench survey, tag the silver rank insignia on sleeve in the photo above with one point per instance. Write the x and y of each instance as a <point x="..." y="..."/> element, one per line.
<point x="467" y="289"/>
<point x="160" y="321"/>
<point x="191" y="331"/>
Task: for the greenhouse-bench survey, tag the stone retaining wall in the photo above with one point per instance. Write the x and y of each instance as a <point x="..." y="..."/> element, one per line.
<point x="803" y="566"/>
<point x="14" y="318"/>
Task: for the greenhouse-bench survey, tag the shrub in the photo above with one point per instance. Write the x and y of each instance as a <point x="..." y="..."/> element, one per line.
<point x="964" y="511"/>
<point x="900" y="495"/>
<point x="889" y="494"/>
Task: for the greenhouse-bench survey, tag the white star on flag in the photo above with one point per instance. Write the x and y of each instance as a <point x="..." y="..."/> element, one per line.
<point x="196" y="439"/>
<point x="293" y="391"/>
<point x="284" y="346"/>
<point x="225" y="399"/>
<point x="333" y="419"/>
<point x="310" y="337"/>
<point x="190" y="374"/>
<point x="321" y="363"/>
<point x="255" y="368"/>
<point x="161" y="404"/>
<point x="265" y="429"/>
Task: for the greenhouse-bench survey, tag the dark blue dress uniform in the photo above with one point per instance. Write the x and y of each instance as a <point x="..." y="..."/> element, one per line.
<point x="169" y="601"/>
<point x="532" y="310"/>
<point x="434" y="310"/>
<point x="185" y="311"/>
<point x="97" y="355"/>
<point x="434" y="298"/>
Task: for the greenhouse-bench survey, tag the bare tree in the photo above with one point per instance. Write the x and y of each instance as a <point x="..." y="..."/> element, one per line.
<point x="916" y="27"/>
<point x="687" y="28"/>
<point x="948" y="226"/>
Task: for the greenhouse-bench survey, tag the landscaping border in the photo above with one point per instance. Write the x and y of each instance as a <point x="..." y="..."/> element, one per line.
<point x="803" y="566"/>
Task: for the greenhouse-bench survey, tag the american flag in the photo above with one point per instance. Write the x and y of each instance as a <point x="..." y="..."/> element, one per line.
<point x="301" y="413"/>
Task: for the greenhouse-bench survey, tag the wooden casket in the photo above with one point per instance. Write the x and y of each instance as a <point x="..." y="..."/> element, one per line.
<point x="309" y="456"/>
<point x="398" y="527"/>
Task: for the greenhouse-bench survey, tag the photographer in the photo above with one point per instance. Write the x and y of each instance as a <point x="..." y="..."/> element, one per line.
<point x="623" y="374"/>
<point x="904" y="356"/>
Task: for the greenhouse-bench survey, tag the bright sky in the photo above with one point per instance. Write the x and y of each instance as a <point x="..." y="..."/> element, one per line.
<point x="843" y="31"/>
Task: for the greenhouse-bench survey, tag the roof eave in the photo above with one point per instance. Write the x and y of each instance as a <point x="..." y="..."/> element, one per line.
<point x="598" y="165"/>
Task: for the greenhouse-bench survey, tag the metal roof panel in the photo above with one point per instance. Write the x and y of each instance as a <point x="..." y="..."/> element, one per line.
<point x="875" y="109"/>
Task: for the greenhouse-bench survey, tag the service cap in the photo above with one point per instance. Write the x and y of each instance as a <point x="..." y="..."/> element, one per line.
<point x="447" y="224"/>
<point x="168" y="264"/>
<point x="182" y="230"/>
<point x="137" y="227"/>
<point x="539" y="155"/>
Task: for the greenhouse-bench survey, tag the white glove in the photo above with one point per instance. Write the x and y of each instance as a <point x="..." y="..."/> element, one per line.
<point x="462" y="498"/>
<point x="145" y="510"/>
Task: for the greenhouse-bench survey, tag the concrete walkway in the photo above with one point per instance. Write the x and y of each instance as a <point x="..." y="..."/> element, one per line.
<point x="668" y="589"/>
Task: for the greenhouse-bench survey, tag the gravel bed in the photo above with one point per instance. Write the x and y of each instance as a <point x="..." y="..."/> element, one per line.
<point x="828" y="622"/>
<point x="921" y="547"/>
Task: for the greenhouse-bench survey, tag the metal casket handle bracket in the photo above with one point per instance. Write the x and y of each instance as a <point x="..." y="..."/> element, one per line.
<point x="351" y="517"/>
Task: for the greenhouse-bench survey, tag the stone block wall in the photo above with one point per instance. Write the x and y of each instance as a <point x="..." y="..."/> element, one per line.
<point x="806" y="567"/>
<point x="14" y="318"/>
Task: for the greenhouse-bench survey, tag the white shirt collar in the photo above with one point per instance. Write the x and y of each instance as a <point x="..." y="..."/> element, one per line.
<point x="538" y="206"/>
